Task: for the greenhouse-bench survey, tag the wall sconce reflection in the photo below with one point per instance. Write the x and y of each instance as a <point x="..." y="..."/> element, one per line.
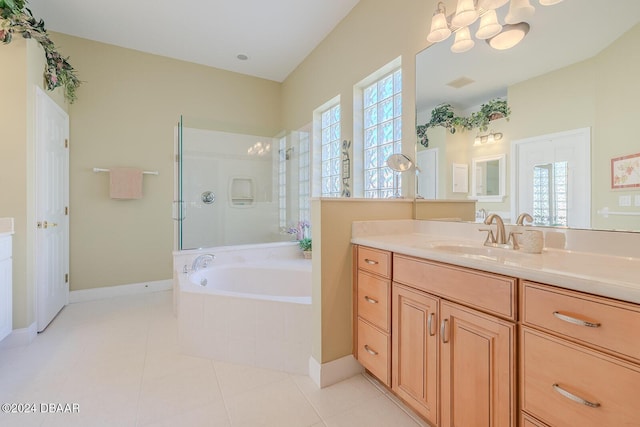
<point x="259" y="149"/>
<point x="490" y="138"/>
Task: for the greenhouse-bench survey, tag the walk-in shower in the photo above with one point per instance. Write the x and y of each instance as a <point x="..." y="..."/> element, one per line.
<point x="238" y="188"/>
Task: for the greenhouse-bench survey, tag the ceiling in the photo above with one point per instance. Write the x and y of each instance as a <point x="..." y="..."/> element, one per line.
<point x="276" y="35"/>
<point x="560" y="35"/>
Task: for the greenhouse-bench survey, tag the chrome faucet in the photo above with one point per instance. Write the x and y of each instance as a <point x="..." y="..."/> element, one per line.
<point x="202" y="261"/>
<point x="500" y="237"/>
<point x="524" y="217"/>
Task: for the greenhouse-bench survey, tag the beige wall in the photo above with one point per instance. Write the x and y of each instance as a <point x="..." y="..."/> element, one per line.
<point x="127" y="109"/>
<point x="22" y="63"/>
<point x="332" y="267"/>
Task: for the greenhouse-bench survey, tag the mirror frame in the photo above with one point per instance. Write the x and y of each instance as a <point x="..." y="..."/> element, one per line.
<point x="502" y="159"/>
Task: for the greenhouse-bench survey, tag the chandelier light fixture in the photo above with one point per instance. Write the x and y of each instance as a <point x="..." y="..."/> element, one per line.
<point x="490" y="138"/>
<point x="498" y="36"/>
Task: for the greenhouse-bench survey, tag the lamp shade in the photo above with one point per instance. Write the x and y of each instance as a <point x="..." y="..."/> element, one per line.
<point x="463" y="41"/>
<point x="519" y="11"/>
<point x="466" y="14"/>
<point x="439" y="28"/>
<point x="489" y="25"/>
<point x="493" y="4"/>
<point x="549" y="2"/>
<point x="511" y="35"/>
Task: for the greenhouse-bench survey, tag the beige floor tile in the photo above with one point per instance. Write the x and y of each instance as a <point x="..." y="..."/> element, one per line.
<point x="279" y="404"/>
<point x="339" y="397"/>
<point x="235" y="379"/>
<point x="170" y="395"/>
<point x="379" y="412"/>
<point x="208" y="415"/>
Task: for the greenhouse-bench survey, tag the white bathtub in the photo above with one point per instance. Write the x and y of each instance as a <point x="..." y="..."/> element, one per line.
<point x="255" y="312"/>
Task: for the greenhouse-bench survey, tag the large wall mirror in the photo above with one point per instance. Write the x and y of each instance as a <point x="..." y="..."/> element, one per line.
<point x="573" y="90"/>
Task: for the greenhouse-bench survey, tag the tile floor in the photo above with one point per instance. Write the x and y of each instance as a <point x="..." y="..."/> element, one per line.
<point x="118" y="359"/>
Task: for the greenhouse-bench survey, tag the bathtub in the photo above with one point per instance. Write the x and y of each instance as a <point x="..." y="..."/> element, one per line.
<point x="248" y="310"/>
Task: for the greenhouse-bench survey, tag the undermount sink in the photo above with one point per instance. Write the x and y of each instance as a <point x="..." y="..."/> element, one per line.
<point x="477" y="251"/>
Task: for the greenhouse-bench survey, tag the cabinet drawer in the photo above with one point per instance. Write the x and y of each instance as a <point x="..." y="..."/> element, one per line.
<point x="5" y="247"/>
<point x="560" y="378"/>
<point x="374" y="261"/>
<point x="487" y="291"/>
<point x="527" y="421"/>
<point x="373" y="351"/>
<point x="609" y="324"/>
<point x="373" y="300"/>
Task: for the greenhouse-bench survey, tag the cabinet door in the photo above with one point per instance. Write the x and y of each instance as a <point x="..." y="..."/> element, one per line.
<point x="478" y="368"/>
<point x="6" y="300"/>
<point x="415" y="350"/>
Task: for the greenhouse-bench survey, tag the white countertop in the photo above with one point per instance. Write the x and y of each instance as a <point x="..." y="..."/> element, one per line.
<point x="6" y="226"/>
<point x="600" y="274"/>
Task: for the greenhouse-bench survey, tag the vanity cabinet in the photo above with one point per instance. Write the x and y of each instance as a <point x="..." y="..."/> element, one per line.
<point x="579" y="358"/>
<point x="451" y="352"/>
<point x="372" y="305"/>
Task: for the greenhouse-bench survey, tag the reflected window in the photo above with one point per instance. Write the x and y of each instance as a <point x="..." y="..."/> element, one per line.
<point x="382" y="113"/>
<point x="282" y="182"/>
<point x="330" y="152"/>
<point x="550" y="194"/>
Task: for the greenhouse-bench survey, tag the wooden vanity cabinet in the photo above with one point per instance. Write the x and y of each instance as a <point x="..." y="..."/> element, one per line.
<point x="451" y="353"/>
<point x="415" y="350"/>
<point x="372" y="306"/>
<point x="579" y="358"/>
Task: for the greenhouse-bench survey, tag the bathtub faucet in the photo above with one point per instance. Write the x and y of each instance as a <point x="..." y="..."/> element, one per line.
<point x="202" y="261"/>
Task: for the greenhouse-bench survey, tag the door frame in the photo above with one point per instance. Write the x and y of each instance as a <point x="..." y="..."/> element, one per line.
<point x="583" y="133"/>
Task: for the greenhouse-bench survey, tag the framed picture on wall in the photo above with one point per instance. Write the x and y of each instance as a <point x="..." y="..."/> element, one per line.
<point x="625" y="171"/>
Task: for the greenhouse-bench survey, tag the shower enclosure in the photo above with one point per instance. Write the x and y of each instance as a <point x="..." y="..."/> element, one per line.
<point x="239" y="188"/>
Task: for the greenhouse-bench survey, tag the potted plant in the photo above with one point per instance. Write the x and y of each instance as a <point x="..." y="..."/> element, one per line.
<point x="305" y="245"/>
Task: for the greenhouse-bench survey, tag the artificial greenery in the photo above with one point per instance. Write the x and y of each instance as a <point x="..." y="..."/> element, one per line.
<point x="16" y="18"/>
<point x="305" y="244"/>
<point x="443" y="115"/>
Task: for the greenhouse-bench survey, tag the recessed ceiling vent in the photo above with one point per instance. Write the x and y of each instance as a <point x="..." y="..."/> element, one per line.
<point x="460" y="82"/>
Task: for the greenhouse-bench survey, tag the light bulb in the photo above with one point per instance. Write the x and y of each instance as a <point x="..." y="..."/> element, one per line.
<point x="511" y="35"/>
<point x="463" y="41"/>
<point x="439" y="28"/>
<point x="519" y="11"/>
<point x="489" y="25"/>
<point x="466" y="14"/>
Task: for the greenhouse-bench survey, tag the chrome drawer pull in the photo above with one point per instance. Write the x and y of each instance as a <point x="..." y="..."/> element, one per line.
<point x="430" y="324"/>
<point x="575" y="398"/>
<point x="371" y="352"/>
<point x="443" y="329"/>
<point x="371" y="300"/>
<point x="575" y="321"/>
<point x="371" y="261"/>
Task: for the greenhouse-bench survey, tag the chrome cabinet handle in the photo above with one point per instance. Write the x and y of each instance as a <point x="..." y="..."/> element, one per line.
<point x="430" y="324"/>
<point x="370" y="351"/>
<point x="575" y="321"/>
<point x="443" y="329"/>
<point x="370" y="300"/>
<point x="370" y="261"/>
<point x="575" y="398"/>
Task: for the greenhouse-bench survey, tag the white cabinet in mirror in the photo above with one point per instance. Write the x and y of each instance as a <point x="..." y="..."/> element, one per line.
<point x="488" y="178"/>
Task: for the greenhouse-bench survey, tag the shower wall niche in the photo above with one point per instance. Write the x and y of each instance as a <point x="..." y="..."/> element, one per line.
<point x="235" y="188"/>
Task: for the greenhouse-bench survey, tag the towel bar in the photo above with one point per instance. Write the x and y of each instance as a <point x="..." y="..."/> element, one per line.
<point x="109" y="170"/>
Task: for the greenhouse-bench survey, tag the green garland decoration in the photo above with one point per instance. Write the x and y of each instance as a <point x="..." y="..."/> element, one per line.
<point x="443" y="116"/>
<point x="16" y="18"/>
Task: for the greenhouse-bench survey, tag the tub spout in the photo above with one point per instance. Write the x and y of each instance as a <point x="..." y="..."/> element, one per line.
<point x="202" y="261"/>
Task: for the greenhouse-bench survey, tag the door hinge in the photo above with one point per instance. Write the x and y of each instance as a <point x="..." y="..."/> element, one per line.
<point x="66" y="278"/>
<point x="66" y="143"/>
<point x="66" y="210"/>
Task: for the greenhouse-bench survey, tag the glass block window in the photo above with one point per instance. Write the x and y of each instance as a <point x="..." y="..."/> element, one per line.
<point x="282" y="181"/>
<point x="382" y="134"/>
<point x="304" y="175"/>
<point x="550" y="194"/>
<point x="330" y="152"/>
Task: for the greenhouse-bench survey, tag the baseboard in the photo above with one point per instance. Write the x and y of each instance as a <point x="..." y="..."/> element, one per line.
<point x="20" y="337"/>
<point x="329" y="373"/>
<point x="121" y="290"/>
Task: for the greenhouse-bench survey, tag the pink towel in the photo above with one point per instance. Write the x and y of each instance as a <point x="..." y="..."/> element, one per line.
<point x="125" y="183"/>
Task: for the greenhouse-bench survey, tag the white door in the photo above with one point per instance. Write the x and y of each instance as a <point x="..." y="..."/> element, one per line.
<point x="552" y="178"/>
<point x="427" y="162"/>
<point x="52" y="204"/>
